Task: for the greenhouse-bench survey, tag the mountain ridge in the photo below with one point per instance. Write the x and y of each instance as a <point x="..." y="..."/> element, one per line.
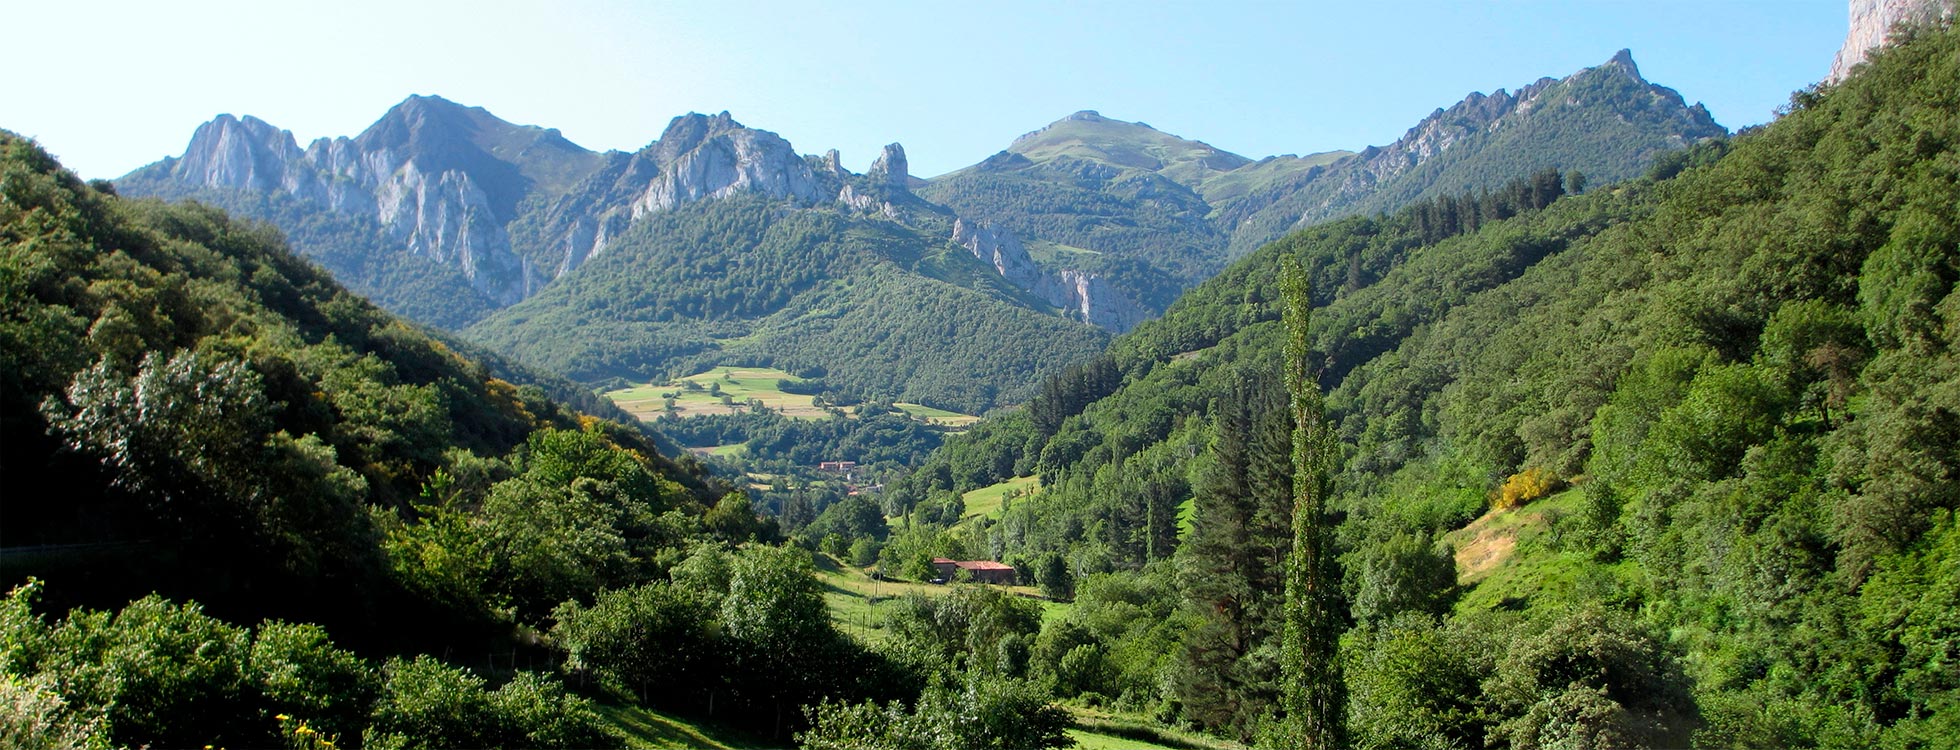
<point x="1158" y="213"/>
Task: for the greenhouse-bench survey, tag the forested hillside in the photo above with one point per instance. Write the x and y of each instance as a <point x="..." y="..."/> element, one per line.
<point x="1667" y="462"/>
<point x="286" y="518"/>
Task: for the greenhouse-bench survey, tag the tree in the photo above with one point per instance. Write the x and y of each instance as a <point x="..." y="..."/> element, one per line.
<point x="1313" y="696"/>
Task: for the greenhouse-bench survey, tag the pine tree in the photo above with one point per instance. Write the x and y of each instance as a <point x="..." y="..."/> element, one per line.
<point x="1312" y="694"/>
<point x="1232" y="563"/>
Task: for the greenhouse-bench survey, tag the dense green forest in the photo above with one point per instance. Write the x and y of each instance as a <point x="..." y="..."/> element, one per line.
<point x="883" y="310"/>
<point x="1703" y="422"/>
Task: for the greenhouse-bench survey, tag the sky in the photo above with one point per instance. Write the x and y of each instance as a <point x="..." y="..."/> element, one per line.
<point x="108" y="85"/>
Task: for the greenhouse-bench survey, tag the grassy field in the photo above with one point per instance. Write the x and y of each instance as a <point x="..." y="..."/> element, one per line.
<point x="1098" y="729"/>
<point x="1085" y="740"/>
<point x="646" y="729"/>
<point x="988" y="501"/>
<point x="857" y="602"/>
<point x="738" y="383"/>
<point x="930" y="415"/>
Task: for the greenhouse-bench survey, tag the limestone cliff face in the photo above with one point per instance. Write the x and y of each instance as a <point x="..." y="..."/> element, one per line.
<point x="1872" y="20"/>
<point x="1083" y="293"/>
<point x="1000" y="249"/>
<point x="442" y="179"/>
<point x="245" y="153"/>
<point x="698" y="157"/>
<point x="711" y="157"/>
<point x="890" y="167"/>
<point x="1093" y="299"/>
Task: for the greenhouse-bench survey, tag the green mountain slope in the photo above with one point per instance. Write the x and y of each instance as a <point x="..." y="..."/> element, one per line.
<point x="1743" y="366"/>
<point x="1132" y="196"/>
<point x="1605" y="122"/>
<point x="1156" y="214"/>
<point x="882" y="309"/>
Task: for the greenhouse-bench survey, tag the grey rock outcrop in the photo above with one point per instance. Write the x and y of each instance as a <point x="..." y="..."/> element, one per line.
<point x="703" y="157"/>
<point x="1873" y="20"/>
<point x="236" y="152"/>
<point x="441" y="179"/>
<point x="890" y="167"/>
<point x="1000" y="249"/>
<point x="1094" y="299"/>
<point x="1083" y="294"/>
<point x="698" y="157"/>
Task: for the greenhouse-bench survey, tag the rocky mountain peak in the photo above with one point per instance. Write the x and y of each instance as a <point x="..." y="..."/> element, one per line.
<point x="687" y="132"/>
<point x="442" y="179"/>
<point x="1623" y="61"/>
<point x="232" y="152"/>
<point x="890" y="167"/>
<point x="421" y="121"/>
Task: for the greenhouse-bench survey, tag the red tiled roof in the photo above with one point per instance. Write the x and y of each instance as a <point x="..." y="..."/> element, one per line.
<point x="983" y="565"/>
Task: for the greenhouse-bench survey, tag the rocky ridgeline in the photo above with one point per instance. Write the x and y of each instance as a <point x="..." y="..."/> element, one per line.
<point x="437" y="199"/>
<point x="1480" y="115"/>
<point x="450" y="182"/>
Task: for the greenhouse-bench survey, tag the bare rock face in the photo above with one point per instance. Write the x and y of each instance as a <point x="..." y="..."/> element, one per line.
<point x="890" y="167"/>
<point x="1000" y="249"/>
<point x="698" y="157"/>
<point x="1084" y="294"/>
<point x="703" y="157"/>
<point x="1093" y="299"/>
<point x="1873" y="20"/>
<point x="232" y="152"/>
<point x="443" y="179"/>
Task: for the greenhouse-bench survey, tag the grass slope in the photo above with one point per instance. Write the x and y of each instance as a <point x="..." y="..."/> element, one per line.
<point x="987" y="501"/>
<point x="646" y="729"/>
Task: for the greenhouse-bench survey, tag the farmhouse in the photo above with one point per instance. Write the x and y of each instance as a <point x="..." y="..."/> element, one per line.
<point x="983" y="571"/>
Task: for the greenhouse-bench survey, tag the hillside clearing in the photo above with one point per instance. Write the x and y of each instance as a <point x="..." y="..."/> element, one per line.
<point x="857" y="601"/>
<point x="646" y="729"/>
<point x="989" y="501"/>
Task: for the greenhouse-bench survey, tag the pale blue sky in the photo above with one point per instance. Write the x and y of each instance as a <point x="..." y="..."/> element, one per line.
<point x="110" y="86"/>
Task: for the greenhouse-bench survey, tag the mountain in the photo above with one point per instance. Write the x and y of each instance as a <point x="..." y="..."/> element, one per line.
<point x="1118" y="202"/>
<point x="718" y="243"/>
<point x="412" y="212"/>
<point x="449" y="214"/>
<point x="1672" y="463"/>
<point x="248" y="507"/>
<point x="1152" y="214"/>
<point x="1606" y="122"/>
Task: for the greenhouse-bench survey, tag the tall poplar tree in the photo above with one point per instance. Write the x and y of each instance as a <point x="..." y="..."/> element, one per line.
<point x="1312" y="693"/>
